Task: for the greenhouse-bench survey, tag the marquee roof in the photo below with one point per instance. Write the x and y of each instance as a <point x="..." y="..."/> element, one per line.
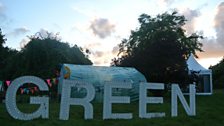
<point x="193" y="65"/>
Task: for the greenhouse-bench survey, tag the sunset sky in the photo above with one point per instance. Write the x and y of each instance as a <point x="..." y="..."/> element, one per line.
<point x="100" y="25"/>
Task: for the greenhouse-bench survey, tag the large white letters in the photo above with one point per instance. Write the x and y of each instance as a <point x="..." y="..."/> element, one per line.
<point x="109" y="99"/>
<point x="191" y="111"/>
<point x="11" y="106"/>
<point x="66" y="100"/>
<point x="143" y="99"/>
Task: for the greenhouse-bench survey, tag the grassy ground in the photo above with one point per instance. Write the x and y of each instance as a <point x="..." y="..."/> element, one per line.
<point x="210" y="112"/>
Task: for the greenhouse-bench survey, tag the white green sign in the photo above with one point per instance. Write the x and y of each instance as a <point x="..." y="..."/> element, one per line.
<point x="109" y="99"/>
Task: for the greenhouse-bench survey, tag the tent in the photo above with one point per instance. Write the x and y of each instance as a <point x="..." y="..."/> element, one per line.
<point x="204" y="84"/>
<point x="98" y="76"/>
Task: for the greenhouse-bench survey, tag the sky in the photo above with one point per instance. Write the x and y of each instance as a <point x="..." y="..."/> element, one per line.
<point x="100" y="25"/>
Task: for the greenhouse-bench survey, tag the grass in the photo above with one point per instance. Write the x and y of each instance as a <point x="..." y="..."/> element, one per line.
<point x="210" y="112"/>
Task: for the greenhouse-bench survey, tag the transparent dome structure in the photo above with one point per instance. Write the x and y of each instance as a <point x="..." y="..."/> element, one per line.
<point x="99" y="76"/>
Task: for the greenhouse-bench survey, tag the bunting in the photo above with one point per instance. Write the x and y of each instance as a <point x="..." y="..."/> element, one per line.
<point x="32" y="91"/>
<point x="8" y="82"/>
<point x="49" y="82"/>
<point x="35" y="89"/>
<point x="28" y="90"/>
<point x="23" y="90"/>
<point x="54" y="80"/>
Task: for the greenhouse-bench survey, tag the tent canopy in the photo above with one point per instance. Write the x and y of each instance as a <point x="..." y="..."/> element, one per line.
<point x="193" y="65"/>
<point x="204" y="85"/>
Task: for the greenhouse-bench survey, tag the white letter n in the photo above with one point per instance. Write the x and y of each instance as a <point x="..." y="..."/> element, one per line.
<point x="177" y="92"/>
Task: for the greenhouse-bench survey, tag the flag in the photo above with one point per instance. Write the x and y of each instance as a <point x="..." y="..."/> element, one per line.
<point x="8" y="83"/>
<point x="49" y="82"/>
<point x="54" y="80"/>
<point x="32" y="91"/>
<point x="35" y="89"/>
<point x="21" y="90"/>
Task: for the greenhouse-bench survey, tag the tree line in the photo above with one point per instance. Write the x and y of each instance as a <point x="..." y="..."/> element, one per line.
<point x="41" y="57"/>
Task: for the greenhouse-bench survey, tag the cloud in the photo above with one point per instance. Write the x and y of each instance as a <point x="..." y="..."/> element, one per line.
<point x="43" y="33"/>
<point x="103" y="60"/>
<point x="2" y="14"/>
<point x="1" y="7"/>
<point x="102" y="27"/>
<point x="214" y="47"/>
<point x="97" y="62"/>
<point x="19" y="31"/>
<point x="167" y="2"/>
<point x="92" y="45"/>
<point x="191" y="16"/>
<point x="106" y="61"/>
<point x="84" y="11"/>
<point x="24" y="42"/>
<point x="219" y="24"/>
<point x="98" y="53"/>
<point x="115" y="50"/>
<point x="5" y="21"/>
<point x="98" y="57"/>
<point x="57" y="27"/>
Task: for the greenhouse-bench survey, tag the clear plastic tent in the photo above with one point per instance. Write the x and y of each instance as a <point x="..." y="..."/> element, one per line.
<point x="98" y="76"/>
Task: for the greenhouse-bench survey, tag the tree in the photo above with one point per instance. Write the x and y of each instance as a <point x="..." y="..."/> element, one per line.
<point x="218" y="74"/>
<point x="2" y="39"/>
<point x="42" y="56"/>
<point x="6" y="55"/>
<point x="159" y="48"/>
<point x="2" y="49"/>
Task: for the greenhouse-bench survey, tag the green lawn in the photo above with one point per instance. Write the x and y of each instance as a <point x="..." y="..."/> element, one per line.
<point x="210" y="112"/>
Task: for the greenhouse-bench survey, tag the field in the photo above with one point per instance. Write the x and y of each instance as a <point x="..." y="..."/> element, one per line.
<point x="209" y="109"/>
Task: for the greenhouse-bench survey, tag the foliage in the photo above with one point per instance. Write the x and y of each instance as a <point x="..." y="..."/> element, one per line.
<point x="42" y="56"/>
<point x="218" y="74"/>
<point x="2" y="49"/>
<point x="6" y="55"/>
<point x="2" y="39"/>
<point x="159" y="48"/>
